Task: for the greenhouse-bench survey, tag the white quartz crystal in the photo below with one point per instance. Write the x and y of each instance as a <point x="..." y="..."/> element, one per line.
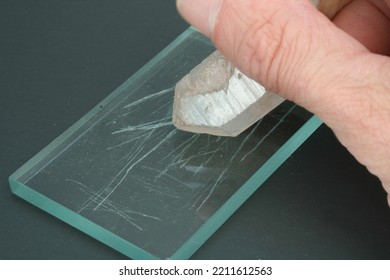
<point x="216" y="98"/>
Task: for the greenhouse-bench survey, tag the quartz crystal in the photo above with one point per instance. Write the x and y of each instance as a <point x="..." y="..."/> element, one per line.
<point x="216" y="98"/>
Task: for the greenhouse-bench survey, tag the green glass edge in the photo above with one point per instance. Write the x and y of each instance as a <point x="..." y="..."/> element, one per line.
<point x="247" y="189"/>
<point x="72" y="129"/>
<point x="79" y="222"/>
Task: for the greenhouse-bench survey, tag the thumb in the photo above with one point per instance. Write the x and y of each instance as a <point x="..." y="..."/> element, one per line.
<point x="283" y="44"/>
<point x="294" y="50"/>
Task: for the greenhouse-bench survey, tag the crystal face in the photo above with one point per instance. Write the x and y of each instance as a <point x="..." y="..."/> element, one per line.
<point x="216" y="98"/>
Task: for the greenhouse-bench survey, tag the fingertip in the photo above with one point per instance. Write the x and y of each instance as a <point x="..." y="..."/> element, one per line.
<point x="202" y="14"/>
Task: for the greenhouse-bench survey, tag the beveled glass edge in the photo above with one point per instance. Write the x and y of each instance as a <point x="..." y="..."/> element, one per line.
<point x="247" y="189"/>
<point x="72" y="129"/>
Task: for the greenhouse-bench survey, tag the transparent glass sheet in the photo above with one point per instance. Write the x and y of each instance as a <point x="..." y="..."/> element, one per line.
<point x="124" y="175"/>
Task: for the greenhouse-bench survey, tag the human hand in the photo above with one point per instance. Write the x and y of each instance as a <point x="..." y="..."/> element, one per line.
<point x="336" y="66"/>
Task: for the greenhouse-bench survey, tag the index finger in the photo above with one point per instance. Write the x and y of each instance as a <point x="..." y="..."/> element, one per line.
<point x="331" y="7"/>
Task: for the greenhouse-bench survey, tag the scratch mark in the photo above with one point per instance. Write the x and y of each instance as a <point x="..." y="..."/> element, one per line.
<point x="126" y="142"/>
<point x="198" y="155"/>
<point x="211" y="190"/>
<point x="203" y="164"/>
<point x="193" y="138"/>
<point x="178" y="157"/>
<point x="130" y="160"/>
<point x="153" y="188"/>
<point x="168" y="175"/>
<point x="111" y="206"/>
<point x="111" y="122"/>
<point x="208" y="189"/>
<point x="87" y="190"/>
<point x="134" y="164"/>
<point x="245" y="141"/>
<point x="79" y="183"/>
<point x="187" y="144"/>
<point x="268" y="133"/>
<point x="163" y="108"/>
<point x="151" y="96"/>
<point x="220" y="177"/>
<point x="147" y="126"/>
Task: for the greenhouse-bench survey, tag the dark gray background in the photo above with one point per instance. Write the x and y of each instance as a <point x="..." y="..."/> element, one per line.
<point x="59" y="59"/>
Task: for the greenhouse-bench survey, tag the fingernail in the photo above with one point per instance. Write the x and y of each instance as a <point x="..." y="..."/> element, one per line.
<point x="202" y="14"/>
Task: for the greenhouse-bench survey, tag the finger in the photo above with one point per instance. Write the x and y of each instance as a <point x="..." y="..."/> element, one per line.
<point x="331" y="7"/>
<point x="201" y="14"/>
<point x="287" y="45"/>
<point x="383" y="5"/>
<point x="368" y="23"/>
<point x="293" y="49"/>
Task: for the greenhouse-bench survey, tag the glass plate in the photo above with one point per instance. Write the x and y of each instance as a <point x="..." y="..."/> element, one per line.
<point x="124" y="175"/>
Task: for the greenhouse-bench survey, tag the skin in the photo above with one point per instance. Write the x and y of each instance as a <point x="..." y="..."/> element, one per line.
<point x="333" y="61"/>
